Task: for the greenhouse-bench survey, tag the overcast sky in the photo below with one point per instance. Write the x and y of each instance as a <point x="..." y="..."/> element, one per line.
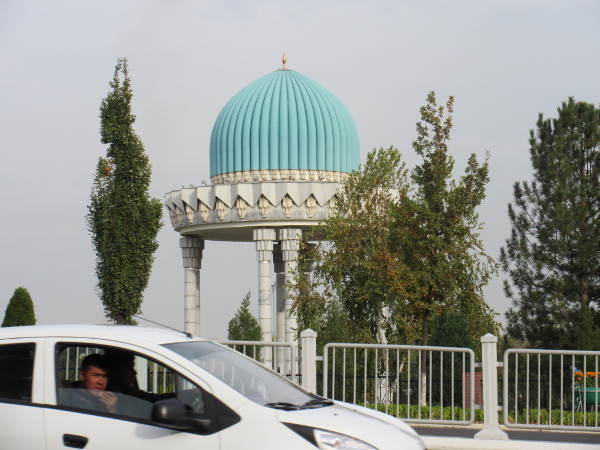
<point x="504" y="61"/>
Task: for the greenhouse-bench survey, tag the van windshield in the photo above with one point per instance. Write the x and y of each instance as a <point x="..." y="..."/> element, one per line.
<point x="247" y="376"/>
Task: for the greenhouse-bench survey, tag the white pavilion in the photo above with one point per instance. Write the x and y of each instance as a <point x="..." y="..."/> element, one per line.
<point x="280" y="150"/>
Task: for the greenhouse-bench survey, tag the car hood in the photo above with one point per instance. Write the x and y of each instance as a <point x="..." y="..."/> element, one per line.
<point x="377" y="429"/>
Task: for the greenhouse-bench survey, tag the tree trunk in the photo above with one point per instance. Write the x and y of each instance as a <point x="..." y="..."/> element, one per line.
<point x="120" y="318"/>
<point x="381" y="338"/>
<point x="423" y="393"/>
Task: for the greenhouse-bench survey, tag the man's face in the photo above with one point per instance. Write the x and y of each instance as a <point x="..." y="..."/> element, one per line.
<point x="94" y="379"/>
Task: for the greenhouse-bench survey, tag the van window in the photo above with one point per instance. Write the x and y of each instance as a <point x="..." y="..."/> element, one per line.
<point x="116" y="381"/>
<point x="16" y="371"/>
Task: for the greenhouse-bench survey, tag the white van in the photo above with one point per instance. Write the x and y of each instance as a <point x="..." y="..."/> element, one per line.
<point x="197" y="395"/>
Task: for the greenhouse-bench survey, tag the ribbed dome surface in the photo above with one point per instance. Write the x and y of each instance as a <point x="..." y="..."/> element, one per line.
<point x="284" y="120"/>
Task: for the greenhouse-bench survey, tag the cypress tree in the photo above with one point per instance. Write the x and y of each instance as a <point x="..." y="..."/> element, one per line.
<point x="123" y="219"/>
<point x="244" y="326"/>
<point x="450" y="330"/>
<point x="20" y="309"/>
<point x="551" y="256"/>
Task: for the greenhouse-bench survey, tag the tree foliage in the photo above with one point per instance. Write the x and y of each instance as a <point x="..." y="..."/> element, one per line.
<point x="20" y="310"/>
<point x="122" y="217"/>
<point x="450" y="330"/>
<point x="404" y="248"/>
<point x="437" y="229"/>
<point x="244" y="326"/>
<point x="317" y="306"/>
<point x="551" y="256"/>
<point x="359" y="267"/>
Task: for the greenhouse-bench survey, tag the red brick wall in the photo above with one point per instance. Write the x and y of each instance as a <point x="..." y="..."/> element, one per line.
<point x="478" y="387"/>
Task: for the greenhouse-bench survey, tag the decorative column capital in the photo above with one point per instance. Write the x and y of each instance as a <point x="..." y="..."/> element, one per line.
<point x="264" y="238"/>
<point x="191" y="251"/>
<point x="286" y="234"/>
<point x="290" y="243"/>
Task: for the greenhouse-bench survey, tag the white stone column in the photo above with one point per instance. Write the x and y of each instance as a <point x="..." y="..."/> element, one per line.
<point x="489" y="365"/>
<point x="279" y="307"/>
<point x="264" y="238"/>
<point x="290" y="244"/>
<point x="191" y="251"/>
<point x="309" y="360"/>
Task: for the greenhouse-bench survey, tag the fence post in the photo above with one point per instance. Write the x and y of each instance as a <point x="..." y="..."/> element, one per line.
<point x="309" y="360"/>
<point x="489" y="364"/>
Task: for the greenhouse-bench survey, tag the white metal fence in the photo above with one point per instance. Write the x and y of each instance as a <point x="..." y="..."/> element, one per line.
<point x="540" y="389"/>
<point x="415" y="383"/>
<point x="278" y="356"/>
<point x="551" y="389"/>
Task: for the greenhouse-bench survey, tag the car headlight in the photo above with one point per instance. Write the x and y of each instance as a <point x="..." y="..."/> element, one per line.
<point x="327" y="440"/>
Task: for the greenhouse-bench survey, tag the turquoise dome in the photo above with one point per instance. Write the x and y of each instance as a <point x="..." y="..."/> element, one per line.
<point x="283" y="121"/>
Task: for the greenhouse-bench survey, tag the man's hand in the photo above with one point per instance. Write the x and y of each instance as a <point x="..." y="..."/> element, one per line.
<point x="109" y="399"/>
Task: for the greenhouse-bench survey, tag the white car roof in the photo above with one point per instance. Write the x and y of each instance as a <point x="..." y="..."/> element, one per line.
<point x="123" y="333"/>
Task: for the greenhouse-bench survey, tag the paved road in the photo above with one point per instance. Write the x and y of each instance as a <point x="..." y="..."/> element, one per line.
<point x="517" y="435"/>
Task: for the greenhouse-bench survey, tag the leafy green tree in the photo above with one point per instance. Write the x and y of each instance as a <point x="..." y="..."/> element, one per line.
<point x="122" y="217"/>
<point x="244" y="326"/>
<point x="402" y="250"/>
<point x="334" y="326"/>
<point x="551" y="256"/>
<point x="356" y="268"/>
<point x="19" y="310"/>
<point x="309" y="302"/>
<point x="358" y="264"/>
<point x="450" y="330"/>
<point x="437" y="229"/>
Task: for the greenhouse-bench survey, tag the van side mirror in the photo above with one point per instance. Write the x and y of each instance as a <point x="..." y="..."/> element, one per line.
<point x="171" y="413"/>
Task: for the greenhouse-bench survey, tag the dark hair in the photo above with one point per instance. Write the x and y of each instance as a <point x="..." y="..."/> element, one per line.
<point x="117" y="358"/>
<point x="96" y="360"/>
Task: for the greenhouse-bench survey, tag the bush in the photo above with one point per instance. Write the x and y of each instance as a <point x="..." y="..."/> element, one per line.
<point x="19" y="310"/>
<point x="402" y="412"/>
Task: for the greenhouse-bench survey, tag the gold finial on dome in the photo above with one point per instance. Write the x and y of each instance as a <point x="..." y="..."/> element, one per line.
<point x="284" y="60"/>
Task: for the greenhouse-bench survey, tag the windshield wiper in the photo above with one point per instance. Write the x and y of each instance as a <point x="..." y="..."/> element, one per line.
<point x="314" y="403"/>
<point x="284" y="405"/>
<point x="317" y="403"/>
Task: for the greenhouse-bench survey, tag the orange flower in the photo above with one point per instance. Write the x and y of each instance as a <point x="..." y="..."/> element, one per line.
<point x="589" y="378"/>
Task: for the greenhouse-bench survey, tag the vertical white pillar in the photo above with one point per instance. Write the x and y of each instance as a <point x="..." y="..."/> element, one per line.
<point x="197" y="333"/>
<point x="191" y="295"/>
<point x="489" y="364"/>
<point x="309" y="360"/>
<point x="290" y="244"/>
<point x="279" y="307"/>
<point x="264" y="238"/>
<point x="191" y="251"/>
<point x="141" y="367"/>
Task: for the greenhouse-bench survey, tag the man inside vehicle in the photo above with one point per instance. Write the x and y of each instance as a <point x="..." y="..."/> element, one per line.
<point x="123" y="382"/>
<point x="91" y="391"/>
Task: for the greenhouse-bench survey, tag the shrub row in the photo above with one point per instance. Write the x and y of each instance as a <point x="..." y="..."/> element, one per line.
<point x="542" y="417"/>
<point x="568" y="418"/>
<point x="436" y="412"/>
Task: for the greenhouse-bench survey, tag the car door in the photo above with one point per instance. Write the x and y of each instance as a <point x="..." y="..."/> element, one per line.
<point x="73" y="421"/>
<point x="21" y="415"/>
